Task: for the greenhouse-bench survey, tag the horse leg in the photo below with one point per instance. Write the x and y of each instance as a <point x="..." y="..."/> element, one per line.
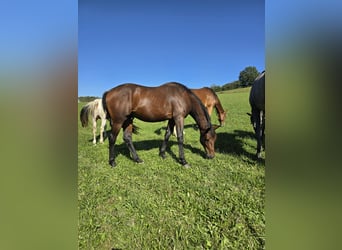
<point x="112" y="139"/>
<point x="174" y="131"/>
<point x="94" y="131"/>
<point x="127" y="137"/>
<point x="210" y="109"/>
<point x="103" y="123"/>
<point x="169" y="129"/>
<point x="263" y="129"/>
<point x="259" y="133"/>
<point x="180" y="138"/>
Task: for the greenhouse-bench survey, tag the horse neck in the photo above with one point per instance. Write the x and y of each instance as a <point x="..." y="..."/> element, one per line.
<point x="218" y="106"/>
<point x="199" y="113"/>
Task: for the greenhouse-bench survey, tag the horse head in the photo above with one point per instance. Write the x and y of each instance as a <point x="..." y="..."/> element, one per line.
<point x="208" y="138"/>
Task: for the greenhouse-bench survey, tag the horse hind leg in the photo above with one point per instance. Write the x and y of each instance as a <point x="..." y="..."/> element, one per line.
<point x="112" y="139"/>
<point x="127" y="137"/>
<point x="180" y="139"/>
<point x="94" y="131"/>
<point x="169" y="130"/>
<point x="259" y="130"/>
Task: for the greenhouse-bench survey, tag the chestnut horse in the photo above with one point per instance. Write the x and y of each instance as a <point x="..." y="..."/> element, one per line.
<point x="95" y="110"/>
<point x="257" y="103"/>
<point x="211" y="100"/>
<point x="171" y="101"/>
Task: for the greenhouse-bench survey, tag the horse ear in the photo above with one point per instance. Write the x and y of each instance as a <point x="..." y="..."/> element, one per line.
<point x="249" y="114"/>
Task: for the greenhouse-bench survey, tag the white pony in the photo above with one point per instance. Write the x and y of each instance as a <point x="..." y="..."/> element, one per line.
<point x="95" y="109"/>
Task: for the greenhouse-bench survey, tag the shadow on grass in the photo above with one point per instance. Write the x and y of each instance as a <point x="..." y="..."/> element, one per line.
<point x="161" y="130"/>
<point x="226" y="143"/>
<point x="155" y="144"/>
<point x="233" y="143"/>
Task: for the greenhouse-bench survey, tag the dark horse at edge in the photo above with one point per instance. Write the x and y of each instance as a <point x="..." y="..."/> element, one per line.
<point x="170" y="101"/>
<point x="257" y="103"/>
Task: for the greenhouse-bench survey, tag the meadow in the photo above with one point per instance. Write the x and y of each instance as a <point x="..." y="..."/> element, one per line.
<point x="215" y="204"/>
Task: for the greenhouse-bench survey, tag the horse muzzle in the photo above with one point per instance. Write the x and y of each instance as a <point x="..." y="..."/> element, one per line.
<point x="210" y="156"/>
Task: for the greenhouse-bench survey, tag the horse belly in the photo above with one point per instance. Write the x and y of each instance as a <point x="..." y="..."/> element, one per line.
<point x="151" y="114"/>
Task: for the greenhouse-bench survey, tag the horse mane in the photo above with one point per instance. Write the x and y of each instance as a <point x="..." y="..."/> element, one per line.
<point x="197" y="99"/>
<point x="203" y="107"/>
<point x="201" y="104"/>
<point x="260" y="75"/>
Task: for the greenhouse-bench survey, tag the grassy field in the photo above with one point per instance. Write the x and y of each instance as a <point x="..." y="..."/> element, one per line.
<point x="215" y="204"/>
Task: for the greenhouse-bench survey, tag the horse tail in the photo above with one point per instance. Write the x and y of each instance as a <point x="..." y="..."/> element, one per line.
<point x="104" y="105"/>
<point x="84" y="115"/>
<point x="136" y="129"/>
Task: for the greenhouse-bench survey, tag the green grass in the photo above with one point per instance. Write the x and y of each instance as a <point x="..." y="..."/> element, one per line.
<point x="215" y="204"/>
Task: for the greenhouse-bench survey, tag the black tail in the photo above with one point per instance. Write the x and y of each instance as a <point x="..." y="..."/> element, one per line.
<point x="135" y="129"/>
<point x="84" y="116"/>
<point x="104" y="105"/>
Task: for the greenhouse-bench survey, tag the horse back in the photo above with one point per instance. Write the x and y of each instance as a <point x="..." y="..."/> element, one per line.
<point x="205" y="95"/>
<point x="257" y="93"/>
<point x="147" y="103"/>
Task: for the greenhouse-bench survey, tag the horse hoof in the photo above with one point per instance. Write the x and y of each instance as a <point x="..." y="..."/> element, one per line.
<point x="112" y="164"/>
<point x="186" y="165"/>
<point x="258" y="156"/>
<point x="139" y="160"/>
<point x="162" y="156"/>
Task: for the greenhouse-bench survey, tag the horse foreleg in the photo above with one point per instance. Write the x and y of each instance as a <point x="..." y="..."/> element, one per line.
<point x="169" y="130"/>
<point x="94" y="131"/>
<point x="180" y="139"/>
<point x="127" y="137"/>
<point x="112" y="139"/>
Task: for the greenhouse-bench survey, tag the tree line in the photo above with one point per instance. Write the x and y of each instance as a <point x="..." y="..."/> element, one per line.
<point x="246" y="79"/>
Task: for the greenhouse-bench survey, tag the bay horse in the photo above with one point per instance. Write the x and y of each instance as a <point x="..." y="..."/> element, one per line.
<point x="257" y="103"/>
<point x="95" y="110"/>
<point x="171" y="101"/>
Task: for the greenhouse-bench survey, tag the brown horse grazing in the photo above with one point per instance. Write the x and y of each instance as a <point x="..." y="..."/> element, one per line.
<point x="211" y="100"/>
<point x="257" y="102"/>
<point x="171" y="101"/>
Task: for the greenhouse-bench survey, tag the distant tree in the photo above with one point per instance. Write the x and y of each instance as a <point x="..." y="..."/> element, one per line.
<point x="216" y="88"/>
<point x="247" y="76"/>
<point x="231" y="85"/>
<point x="87" y="98"/>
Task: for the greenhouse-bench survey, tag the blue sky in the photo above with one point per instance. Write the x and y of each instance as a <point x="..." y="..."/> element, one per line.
<point x="197" y="43"/>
